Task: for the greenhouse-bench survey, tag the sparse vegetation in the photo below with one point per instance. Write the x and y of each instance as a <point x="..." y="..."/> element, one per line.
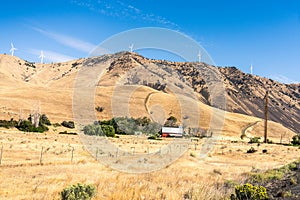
<point x="69" y="124"/>
<point x="131" y="126"/>
<point x="8" y="124"/>
<point x="99" y="108"/>
<point x="155" y="137"/>
<point x="296" y="140"/>
<point x="254" y="140"/>
<point x="27" y="126"/>
<point x="67" y="133"/>
<point x="78" y="192"/>
<point x="274" y="174"/>
<point x="251" y="150"/>
<point x="44" y="120"/>
<point x="249" y="192"/>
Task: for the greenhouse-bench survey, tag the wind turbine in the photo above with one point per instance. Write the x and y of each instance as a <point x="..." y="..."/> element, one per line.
<point x="199" y="56"/>
<point x="42" y="56"/>
<point x="13" y="49"/>
<point x="131" y="48"/>
<point x="251" y="69"/>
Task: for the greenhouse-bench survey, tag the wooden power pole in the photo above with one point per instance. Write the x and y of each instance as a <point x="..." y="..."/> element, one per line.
<point x="266" y="117"/>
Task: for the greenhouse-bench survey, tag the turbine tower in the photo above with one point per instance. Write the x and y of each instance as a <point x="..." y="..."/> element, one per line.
<point x="12" y="49"/>
<point x="131" y="48"/>
<point x="199" y="56"/>
<point x="42" y="56"/>
<point x="251" y="69"/>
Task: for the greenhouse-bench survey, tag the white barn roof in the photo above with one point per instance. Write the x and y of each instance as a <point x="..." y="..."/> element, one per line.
<point x="172" y="130"/>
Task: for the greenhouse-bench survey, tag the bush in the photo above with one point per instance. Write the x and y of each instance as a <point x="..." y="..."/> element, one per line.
<point x="69" y="124"/>
<point x="79" y="191"/>
<point x="108" y="130"/>
<point x="8" y="124"/>
<point x="254" y="140"/>
<point x="67" y="133"/>
<point x="93" y="129"/>
<point x="44" y="120"/>
<point x="99" y="130"/>
<point x="251" y="150"/>
<point x="99" y="109"/>
<point x="171" y="122"/>
<point x="296" y="140"/>
<point x="250" y="192"/>
<point x="27" y="126"/>
<point x="154" y="137"/>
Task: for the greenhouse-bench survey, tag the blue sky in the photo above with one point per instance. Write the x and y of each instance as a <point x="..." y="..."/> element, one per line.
<point x="235" y="33"/>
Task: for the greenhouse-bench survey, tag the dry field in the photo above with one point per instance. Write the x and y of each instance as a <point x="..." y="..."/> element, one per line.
<point x="24" y="177"/>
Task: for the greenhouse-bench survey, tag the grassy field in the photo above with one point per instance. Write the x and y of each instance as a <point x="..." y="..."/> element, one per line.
<point x="24" y="177"/>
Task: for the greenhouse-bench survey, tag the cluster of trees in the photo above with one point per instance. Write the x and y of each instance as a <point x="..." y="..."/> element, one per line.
<point x="122" y="125"/>
<point x="28" y="125"/>
<point x="33" y="123"/>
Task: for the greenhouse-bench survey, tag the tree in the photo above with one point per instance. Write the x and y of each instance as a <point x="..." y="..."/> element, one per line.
<point x="171" y="122"/>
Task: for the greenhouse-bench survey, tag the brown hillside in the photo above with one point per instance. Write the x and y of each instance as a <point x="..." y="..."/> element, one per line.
<point x="26" y="85"/>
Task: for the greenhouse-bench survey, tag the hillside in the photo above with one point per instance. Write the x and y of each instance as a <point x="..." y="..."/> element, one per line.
<point x="243" y="93"/>
<point x="27" y="85"/>
<point x="129" y="84"/>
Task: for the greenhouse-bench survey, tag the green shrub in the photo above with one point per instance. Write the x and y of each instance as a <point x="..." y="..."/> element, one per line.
<point x="254" y="140"/>
<point x="99" y="130"/>
<point x="154" y="137"/>
<point x="69" y="124"/>
<point x="171" y="122"/>
<point x="27" y="126"/>
<point x="44" y="120"/>
<point x="249" y="192"/>
<point x="78" y="192"/>
<point x="296" y="140"/>
<point x="93" y="129"/>
<point x="8" y="124"/>
<point x="56" y="124"/>
<point x="108" y="130"/>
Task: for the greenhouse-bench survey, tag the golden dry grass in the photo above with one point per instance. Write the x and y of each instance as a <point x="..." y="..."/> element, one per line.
<point x="22" y="177"/>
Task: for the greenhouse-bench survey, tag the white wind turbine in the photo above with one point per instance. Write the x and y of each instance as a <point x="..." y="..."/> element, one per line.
<point x="251" y="69"/>
<point x="131" y="48"/>
<point x="199" y="56"/>
<point x="42" y="56"/>
<point x="12" y="49"/>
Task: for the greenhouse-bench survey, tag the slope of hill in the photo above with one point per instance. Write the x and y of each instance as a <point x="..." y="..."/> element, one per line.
<point x="244" y="93"/>
<point x="24" y="85"/>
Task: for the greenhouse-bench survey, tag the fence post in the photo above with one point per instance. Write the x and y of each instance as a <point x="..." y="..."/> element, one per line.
<point x="41" y="156"/>
<point x="132" y="150"/>
<point x="97" y="154"/>
<point x="72" y="155"/>
<point x="117" y="152"/>
<point x="1" y="155"/>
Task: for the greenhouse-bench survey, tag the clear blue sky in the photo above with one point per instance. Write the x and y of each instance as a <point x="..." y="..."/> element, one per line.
<point x="237" y="33"/>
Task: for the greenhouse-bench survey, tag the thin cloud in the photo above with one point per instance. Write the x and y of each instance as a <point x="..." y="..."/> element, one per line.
<point x="51" y="56"/>
<point x="121" y="10"/>
<point x="67" y="40"/>
<point x="283" y="79"/>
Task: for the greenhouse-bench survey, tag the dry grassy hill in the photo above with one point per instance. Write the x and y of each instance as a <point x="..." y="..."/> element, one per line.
<point x="136" y="86"/>
<point x="152" y="88"/>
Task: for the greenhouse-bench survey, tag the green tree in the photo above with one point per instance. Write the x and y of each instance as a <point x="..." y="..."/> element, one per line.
<point x="171" y="122"/>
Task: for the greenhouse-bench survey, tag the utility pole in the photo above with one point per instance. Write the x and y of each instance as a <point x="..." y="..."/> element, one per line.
<point x="266" y="116"/>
